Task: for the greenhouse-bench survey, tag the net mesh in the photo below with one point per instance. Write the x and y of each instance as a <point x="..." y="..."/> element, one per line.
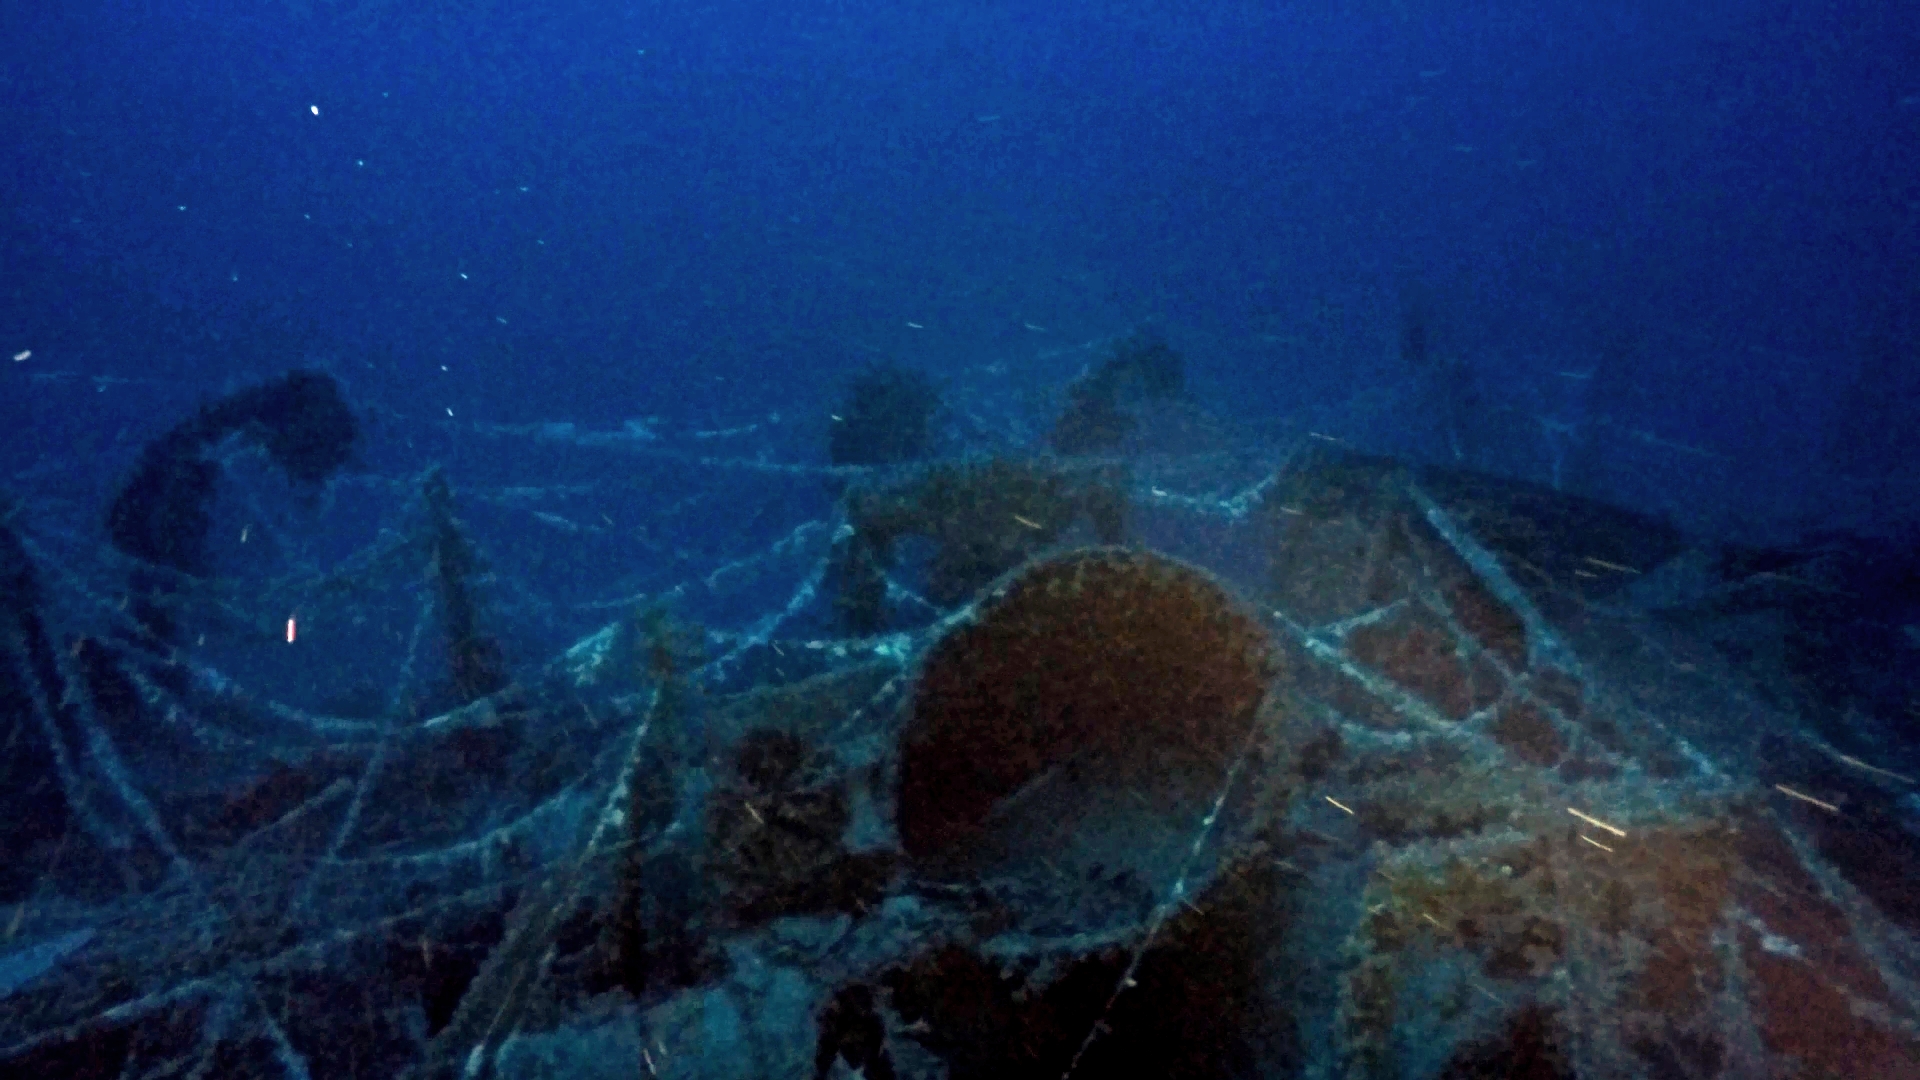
<point x="652" y="749"/>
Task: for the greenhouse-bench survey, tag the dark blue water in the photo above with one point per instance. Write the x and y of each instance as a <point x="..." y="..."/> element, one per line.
<point x="714" y="210"/>
<point x="1638" y="282"/>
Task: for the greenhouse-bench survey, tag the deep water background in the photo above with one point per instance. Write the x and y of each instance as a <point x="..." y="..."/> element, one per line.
<point x="611" y="267"/>
<point x="1697" y="222"/>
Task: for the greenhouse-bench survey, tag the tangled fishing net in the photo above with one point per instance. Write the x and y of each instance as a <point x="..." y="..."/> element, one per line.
<point x="1069" y="734"/>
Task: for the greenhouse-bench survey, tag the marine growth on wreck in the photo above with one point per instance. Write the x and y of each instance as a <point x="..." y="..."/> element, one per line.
<point x="1290" y="762"/>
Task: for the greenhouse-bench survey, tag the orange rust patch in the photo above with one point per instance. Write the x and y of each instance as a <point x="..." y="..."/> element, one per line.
<point x="1678" y="975"/>
<point x="1804" y="1016"/>
<point x="1560" y="690"/>
<point x="1126" y="655"/>
<point x="1690" y="875"/>
<point x="1493" y="624"/>
<point x="1778" y="891"/>
<point x="1421" y="658"/>
<point x="1821" y="933"/>
<point x="1767" y="855"/>
<point x="1527" y="732"/>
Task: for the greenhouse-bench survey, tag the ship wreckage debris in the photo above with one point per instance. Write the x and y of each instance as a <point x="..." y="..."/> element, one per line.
<point x="1093" y="762"/>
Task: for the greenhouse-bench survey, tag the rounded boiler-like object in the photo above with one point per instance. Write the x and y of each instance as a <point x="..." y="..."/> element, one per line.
<point x="1094" y="679"/>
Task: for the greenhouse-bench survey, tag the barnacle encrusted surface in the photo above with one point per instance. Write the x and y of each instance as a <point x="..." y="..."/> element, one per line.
<point x="1351" y="770"/>
<point x="1108" y="659"/>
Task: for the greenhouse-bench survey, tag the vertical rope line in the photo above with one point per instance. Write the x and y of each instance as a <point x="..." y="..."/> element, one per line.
<point x="1177" y="896"/>
<point x="109" y="838"/>
<point x="377" y="761"/>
